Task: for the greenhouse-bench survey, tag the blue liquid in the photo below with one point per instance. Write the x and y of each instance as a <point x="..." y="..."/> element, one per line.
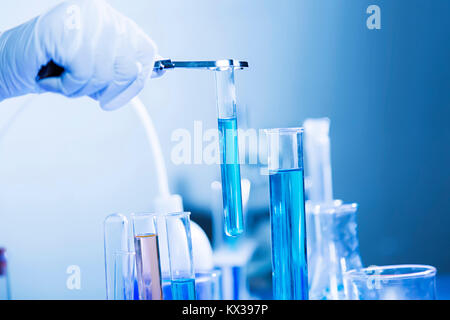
<point x="167" y="289"/>
<point x="287" y="211"/>
<point x="183" y="289"/>
<point x="231" y="177"/>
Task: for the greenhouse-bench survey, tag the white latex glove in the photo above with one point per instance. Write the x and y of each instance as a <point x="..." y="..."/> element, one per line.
<point x="105" y="55"/>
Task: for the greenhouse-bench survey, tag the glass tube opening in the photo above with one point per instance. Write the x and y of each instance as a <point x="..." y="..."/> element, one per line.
<point x="285" y="149"/>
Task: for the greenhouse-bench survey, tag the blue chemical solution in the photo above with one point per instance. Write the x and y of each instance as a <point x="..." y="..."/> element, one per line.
<point x="183" y="289"/>
<point x="167" y="289"/>
<point x="287" y="212"/>
<point x="231" y="177"/>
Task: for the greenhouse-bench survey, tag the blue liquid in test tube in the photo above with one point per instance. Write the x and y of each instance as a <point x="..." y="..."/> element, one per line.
<point x="229" y="152"/>
<point x="183" y="289"/>
<point x="290" y="277"/>
<point x="231" y="176"/>
<point x="287" y="214"/>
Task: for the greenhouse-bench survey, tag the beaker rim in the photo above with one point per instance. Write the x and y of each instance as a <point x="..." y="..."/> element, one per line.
<point x="284" y="130"/>
<point x="175" y="214"/>
<point x="415" y="271"/>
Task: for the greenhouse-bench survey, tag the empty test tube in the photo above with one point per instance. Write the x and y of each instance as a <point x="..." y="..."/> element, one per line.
<point x="317" y="146"/>
<point x="119" y="260"/>
<point x="229" y="151"/>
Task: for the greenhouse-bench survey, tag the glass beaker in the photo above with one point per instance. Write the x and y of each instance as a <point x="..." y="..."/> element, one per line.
<point x="399" y="282"/>
<point x="333" y="248"/>
<point x="148" y="268"/>
<point x="287" y="213"/>
<point x="229" y="151"/>
<point x="181" y="263"/>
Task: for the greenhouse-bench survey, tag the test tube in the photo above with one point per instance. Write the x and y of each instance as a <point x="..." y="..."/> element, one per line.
<point x="180" y="256"/>
<point x="229" y="151"/>
<point x="148" y="269"/>
<point x="124" y="275"/>
<point x="317" y="146"/>
<point x="287" y="212"/>
<point x="117" y="255"/>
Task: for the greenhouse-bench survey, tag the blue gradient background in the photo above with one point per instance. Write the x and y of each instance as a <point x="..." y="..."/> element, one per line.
<point x="65" y="164"/>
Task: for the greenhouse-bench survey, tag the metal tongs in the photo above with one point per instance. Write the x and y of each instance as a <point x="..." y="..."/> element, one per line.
<point x="210" y="65"/>
<point x="53" y="70"/>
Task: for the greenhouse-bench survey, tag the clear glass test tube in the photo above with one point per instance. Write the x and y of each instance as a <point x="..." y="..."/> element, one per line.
<point x="116" y="240"/>
<point x="124" y="275"/>
<point x="287" y="212"/>
<point x="399" y="282"/>
<point x="148" y="270"/>
<point x="180" y="256"/>
<point x="229" y="151"/>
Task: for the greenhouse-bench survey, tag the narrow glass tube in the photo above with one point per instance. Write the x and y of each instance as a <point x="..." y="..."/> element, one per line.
<point x="399" y="282"/>
<point x="180" y="256"/>
<point x="124" y="275"/>
<point x="148" y="270"/>
<point x="116" y="239"/>
<point x="229" y="152"/>
<point x="287" y="212"/>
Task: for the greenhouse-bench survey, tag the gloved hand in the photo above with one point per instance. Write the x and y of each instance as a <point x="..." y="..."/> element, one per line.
<point x="104" y="54"/>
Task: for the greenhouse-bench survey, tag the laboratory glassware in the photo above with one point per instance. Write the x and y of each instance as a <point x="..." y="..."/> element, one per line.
<point x="231" y="254"/>
<point x="287" y="213"/>
<point x="116" y="244"/>
<point x="124" y="275"/>
<point x="182" y="274"/>
<point x="398" y="282"/>
<point x="148" y="270"/>
<point x="229" y="152"/>
<point x="333" y="246"/>
<point x="5" y="290"/>
<point x="227" y="123"/>
<point x="208" y="285"/>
